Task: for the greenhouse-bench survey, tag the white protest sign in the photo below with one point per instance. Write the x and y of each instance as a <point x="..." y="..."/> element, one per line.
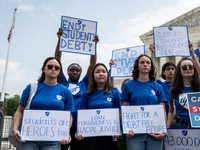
<point x="182" y="139"/>
<point x="124" y="60"/>
<point x="78" y="36"/>
<point x="171" y="41"/>
<point x="45" y="125"/>
<point x="143" y="119"/>
<point x="98" y="122"/>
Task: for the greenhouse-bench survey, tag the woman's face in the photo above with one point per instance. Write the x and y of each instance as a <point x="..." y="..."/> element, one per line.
<point x="52" y="69"/>
<point x="74" y="73"/>
<point x="187" y="68"/>
<point x="100" y="74"/>
<point x="144" y="64"/>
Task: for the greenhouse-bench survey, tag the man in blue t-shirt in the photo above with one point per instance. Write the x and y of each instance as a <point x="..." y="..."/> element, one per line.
<point x="76" y="87"/>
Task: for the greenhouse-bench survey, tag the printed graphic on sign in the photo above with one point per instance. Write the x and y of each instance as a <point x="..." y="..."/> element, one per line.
<point x="98" y="122"/>
<point x="171" y="41"/>
<point x="124" y="60"/>
<point x="194" y="108"/>
<point x="45" y="125"/>
<point x="182" y="139"/>
<point x="143" y="119"/>
<point x="78" y="36"/>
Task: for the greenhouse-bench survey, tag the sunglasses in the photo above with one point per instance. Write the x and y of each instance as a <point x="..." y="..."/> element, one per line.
<point x="53" y="66"/>
<point x="191" y="67"/>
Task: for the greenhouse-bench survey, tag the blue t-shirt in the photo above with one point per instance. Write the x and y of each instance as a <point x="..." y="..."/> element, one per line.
<point x="77" y="90"/>
<point x="56" y="97"/>
<point x="166" y="87"/>
<point x="182" y="104"/>
<point x="143" y="93"/>
<point x="101" y="100"/>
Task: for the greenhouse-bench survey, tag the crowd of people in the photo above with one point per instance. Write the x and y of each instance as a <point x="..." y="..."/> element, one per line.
<point x="94" y="89"/>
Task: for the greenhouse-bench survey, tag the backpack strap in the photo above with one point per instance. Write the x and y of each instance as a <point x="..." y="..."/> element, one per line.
<point x="33" y="90"/>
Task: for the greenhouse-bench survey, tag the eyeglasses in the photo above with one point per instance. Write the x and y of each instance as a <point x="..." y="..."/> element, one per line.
<point x="53" y="66"/>
<point x="191" y="67"/>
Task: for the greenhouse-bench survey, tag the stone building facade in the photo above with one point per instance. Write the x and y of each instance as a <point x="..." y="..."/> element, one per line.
<point x="191" y="19"/>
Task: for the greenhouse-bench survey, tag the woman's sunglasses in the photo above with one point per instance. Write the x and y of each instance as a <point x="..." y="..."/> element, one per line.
<point x="184" y="67"/>
<point x="53" y="66"/>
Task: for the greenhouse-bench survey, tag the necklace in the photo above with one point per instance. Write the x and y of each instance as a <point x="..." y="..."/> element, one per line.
<point x="146" y="87"/>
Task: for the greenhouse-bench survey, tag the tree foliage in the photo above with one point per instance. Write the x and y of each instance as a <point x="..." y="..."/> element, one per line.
<point x="10" y="105"/>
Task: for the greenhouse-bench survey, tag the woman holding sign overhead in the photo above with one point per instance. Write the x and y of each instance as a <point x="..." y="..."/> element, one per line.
<point x="76" y="87"/>
<point x="143" y="90"/>
<point x="50" y="95"/>
<point x="100" y="94"/>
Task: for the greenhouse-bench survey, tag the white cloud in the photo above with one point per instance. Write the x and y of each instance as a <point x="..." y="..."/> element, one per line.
<point x="131" y="29"/>
<point x="53" y="15"/>
<point x="23" y="8"/>
<point x="47" y="7"/>
<point x="15" y="78"/>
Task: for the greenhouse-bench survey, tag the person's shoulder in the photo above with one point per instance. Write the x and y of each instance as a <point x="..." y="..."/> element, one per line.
<point x="157" y="85"/>
<point x="115" y="90"/>
<point x="159" y="81"/>
<point x="130" y="82"/>
<point x="63" y="87"/>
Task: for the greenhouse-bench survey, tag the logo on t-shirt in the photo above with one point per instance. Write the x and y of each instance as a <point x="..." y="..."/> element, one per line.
<point x="109" y="99"/>
<point x="153" y="92"/>
<point x="74" y="88"/>
<point x="183" y="100"/>
<point x="58" y="97"/>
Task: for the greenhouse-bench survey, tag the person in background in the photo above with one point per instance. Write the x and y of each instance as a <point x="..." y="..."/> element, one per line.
<point x="50" y="95"/>
<point x="167" y="74"/>
<point x="100" y="94"/>
<point x="186" y="80"/>
<point x="76" y="87"/>
<point x="143" y="90"/>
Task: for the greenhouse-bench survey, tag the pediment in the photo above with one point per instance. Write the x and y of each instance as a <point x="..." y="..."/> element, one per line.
<point x="191" y="19"/>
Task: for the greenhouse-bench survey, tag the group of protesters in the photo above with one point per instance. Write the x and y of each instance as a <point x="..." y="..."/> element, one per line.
<point x="94" y="89"/>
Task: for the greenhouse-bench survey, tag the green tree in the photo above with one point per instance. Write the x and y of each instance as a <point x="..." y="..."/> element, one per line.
<point x="10" y="105"/>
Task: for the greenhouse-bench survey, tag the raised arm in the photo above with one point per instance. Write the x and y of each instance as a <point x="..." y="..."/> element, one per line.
<point x="152" y="49"/>
<point x="93" y="59"/>
<point x="195" y="61"/>
<point x="58" y="54"/>
<point x="111" y="62"/>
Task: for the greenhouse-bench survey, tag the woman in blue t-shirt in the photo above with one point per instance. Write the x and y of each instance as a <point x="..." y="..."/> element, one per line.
<point x="100" y="94"/>
<point x="143" y="90"/>
<point x="50" y="95"/>
<point x="186" y="80"/>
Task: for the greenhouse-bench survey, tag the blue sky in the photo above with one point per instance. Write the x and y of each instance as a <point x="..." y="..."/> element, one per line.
<point x="120" y="23"/>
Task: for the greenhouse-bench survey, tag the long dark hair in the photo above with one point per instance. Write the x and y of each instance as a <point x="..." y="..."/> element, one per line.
<point x="177" y="84"/>
<point x="135" y="73"/>
<point x="42" y="76"/>
<point x="92" y="87"/>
